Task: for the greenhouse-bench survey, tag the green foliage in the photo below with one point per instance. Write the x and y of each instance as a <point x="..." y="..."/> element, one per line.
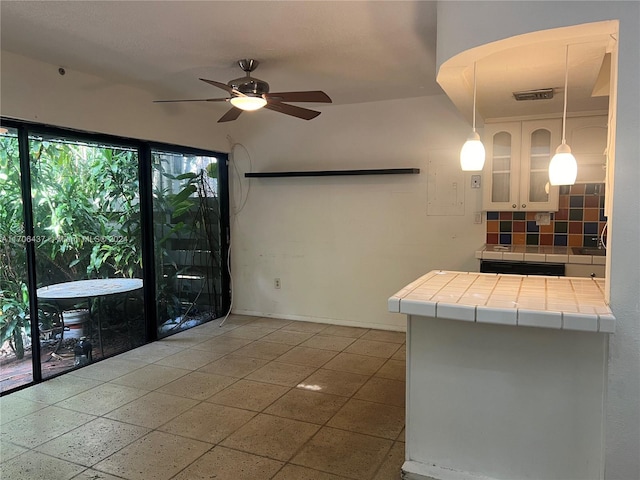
<point x="86" y="220"/>
<point x="13" y="317"/>
<point x="182" y="212"/>
<point x="86" y="210"/>
<point x="14" y="302"/>
<point x="86" y="213"/>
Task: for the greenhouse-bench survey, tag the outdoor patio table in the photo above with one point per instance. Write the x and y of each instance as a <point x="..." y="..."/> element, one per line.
<point x="86" y="290"/>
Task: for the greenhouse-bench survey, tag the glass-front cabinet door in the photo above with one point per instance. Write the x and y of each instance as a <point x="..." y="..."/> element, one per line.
<point x="517" y="165"/>
<point x="502" y="167"/>
<point x="540" y="138"/>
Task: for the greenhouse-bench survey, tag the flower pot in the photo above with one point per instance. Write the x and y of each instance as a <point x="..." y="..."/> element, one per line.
<point x="75" y="323"/>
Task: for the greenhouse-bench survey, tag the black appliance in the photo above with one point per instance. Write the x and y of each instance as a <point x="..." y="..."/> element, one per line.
<point x="522" y="268"/>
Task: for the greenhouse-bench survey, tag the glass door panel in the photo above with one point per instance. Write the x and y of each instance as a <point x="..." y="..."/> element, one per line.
<point x="539" y="158"/>
<point x="75" y="284"/>
<point x="538" y="186"/>
<point x="15" y="323"/>
<point x="86" y="215"/>
<point x="186" y="216"/>
<point x="501" y="167"/>
<point x="501" y="183"/>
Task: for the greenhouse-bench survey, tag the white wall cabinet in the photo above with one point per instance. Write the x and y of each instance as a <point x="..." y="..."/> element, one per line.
<point x="587" y="137"/>
<point x="517" y="165"/>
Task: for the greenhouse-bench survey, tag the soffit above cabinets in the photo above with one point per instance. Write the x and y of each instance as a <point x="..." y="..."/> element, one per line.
<point x="531" y="62"/>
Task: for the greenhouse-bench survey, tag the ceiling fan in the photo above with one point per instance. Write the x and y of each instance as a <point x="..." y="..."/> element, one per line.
<point x="249" y="93"/>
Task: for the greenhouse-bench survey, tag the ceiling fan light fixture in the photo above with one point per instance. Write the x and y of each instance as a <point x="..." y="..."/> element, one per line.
<point x="249" y="93"/>
<point x="472" y="154"/>
<point x="248" y="103"/>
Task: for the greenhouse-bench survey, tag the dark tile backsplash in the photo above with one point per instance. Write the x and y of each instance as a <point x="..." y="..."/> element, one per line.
<point x="578" y="222"/>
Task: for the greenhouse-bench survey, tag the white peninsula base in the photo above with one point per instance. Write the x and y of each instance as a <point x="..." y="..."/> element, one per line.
<point x="492" y="401"/>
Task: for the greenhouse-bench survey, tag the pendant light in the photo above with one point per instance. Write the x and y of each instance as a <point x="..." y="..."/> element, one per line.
<point x="563" y="168"/>
<point x="472" y="153"/>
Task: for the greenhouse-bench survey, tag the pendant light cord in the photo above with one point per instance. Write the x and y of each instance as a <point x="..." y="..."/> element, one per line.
<point x="566" y="83"/>
<point x="474" y="96"/>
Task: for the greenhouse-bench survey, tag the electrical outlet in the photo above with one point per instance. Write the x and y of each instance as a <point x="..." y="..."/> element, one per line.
<point x="543" y="219"/>
<point x="276" y="283"/>
<point x="475" y="182"/>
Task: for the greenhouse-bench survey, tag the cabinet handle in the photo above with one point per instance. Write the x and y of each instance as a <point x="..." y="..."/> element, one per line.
<point x="524" y="205"/>
<point x="513" y="206"/>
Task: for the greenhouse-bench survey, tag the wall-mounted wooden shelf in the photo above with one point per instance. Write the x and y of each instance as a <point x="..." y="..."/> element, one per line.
<point x="333" y="173"/>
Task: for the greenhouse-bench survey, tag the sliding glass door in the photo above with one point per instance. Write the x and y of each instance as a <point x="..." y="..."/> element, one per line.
<point x="105" y="244"/>
<point x="15" y="323"/>
<point x="188" y="248"/>
<point x="86" y="215"/>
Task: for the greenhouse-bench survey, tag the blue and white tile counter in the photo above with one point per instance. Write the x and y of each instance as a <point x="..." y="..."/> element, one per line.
<point x="565" y="303"/>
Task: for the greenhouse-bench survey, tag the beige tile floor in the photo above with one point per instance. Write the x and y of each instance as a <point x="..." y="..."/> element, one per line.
<point x="256" y="399"/>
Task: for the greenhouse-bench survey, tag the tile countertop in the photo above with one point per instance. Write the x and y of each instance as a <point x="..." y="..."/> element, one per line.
<point x="541" y="254"/>
<point x="563" y="303"/>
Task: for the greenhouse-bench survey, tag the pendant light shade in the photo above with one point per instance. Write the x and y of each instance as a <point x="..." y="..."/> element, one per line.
<point x="563" y="168"/>
<point x="472" y="154"/>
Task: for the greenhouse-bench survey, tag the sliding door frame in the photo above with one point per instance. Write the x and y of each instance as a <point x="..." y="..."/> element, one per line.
<point x="145" y="171"/>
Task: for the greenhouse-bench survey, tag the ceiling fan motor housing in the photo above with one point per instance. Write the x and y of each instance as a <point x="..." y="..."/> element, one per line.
<point x="249" y="86"/>
<point x="248" y="93"/>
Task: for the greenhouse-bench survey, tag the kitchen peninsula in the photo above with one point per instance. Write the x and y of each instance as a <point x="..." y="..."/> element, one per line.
<point x="506" y="376"/>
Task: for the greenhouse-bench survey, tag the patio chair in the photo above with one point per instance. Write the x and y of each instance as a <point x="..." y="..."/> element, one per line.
<point x="50" y="324"/>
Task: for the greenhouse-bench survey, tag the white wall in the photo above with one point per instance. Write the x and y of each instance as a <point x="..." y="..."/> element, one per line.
<point x="498" y="402"/>
<point x="34" y="91"/>
<point x="486" y="22"/>
<point x="342" y="245"/>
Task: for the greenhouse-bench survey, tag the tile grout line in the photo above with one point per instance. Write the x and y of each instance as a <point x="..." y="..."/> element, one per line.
<point x="255" y="413"/>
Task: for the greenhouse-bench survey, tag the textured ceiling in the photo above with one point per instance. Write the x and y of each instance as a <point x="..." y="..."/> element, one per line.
<point x="355" y="51"/>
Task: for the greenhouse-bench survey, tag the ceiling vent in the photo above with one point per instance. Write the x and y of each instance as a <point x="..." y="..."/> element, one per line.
<point x="540" y="94"/>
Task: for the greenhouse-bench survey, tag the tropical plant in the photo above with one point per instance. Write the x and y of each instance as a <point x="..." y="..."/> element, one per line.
<point x="85" y="210"/>
<point x="86" y="221"/>
<point x="86" y="216"/>
<point x="14" y="301"/>
<point x="185" y="212"/>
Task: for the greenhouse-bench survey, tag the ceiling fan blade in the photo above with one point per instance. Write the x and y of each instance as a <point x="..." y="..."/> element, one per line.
<point x="230" y="115"/>
<point x="292" y="110"/>
<point x="194" y="100"/>
<point x="221" y="85"/>
<point x="310" y="96"/>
